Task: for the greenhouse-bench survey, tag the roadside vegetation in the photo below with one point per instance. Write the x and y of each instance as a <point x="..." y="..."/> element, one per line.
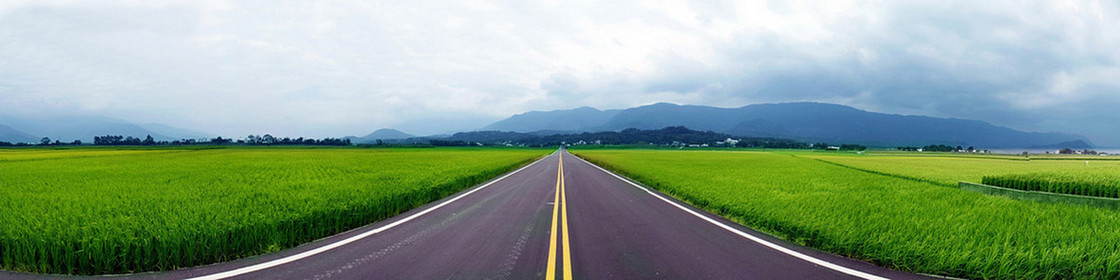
<point x="107" y="211"/>
<point x="893" y="221"/>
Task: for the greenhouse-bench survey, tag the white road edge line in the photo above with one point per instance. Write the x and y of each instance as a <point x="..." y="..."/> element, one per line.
<point x="324" y="248"/>
<point x="756" y="239"/>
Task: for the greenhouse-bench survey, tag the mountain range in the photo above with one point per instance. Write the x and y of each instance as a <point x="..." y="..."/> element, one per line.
<point x="9" y="134"/>
<point x="575" y="120"/>
<point x="381" y="134"/>
<point x="84" y="128"/>
<point x="802" y="121"/>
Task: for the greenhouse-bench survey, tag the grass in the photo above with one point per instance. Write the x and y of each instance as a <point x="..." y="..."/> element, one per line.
<point x="1099" y="182"/>
<point x="108" y="211"/>
<point x="887" y="220"/>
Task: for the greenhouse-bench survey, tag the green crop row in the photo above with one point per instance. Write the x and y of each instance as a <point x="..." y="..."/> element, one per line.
<point x="1097" y="182"/>
<point x="107" y="212"/>
<point x="893" y="222"/>
<point x="950" y="169"/>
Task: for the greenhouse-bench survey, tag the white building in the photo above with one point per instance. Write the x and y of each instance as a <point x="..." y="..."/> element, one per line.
<point x="729" y="142"/>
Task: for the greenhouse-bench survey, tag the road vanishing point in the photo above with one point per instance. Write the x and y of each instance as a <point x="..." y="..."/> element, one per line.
<point x="557" y="218"/>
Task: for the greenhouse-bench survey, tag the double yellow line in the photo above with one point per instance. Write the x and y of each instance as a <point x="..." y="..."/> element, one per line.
<point x="559" y="207"/>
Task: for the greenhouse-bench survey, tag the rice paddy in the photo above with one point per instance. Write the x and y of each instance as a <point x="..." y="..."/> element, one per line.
<point x="900" y="216"/>
<point x="93" y="211"/>
<point x="1099" y="182"/>
<point x="948" y="170"/>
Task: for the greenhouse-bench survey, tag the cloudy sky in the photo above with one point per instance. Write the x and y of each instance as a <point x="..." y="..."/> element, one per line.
<point x="333" y="68"/>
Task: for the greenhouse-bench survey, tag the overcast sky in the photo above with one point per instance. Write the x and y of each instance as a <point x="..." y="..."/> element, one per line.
<point x="334" y="68"/>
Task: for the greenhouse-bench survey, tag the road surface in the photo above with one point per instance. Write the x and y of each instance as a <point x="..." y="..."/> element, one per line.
<point x="558" y="218"/>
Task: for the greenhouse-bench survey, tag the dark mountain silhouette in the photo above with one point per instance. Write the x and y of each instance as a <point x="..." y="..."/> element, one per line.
<point x="381" y="134"/>
<point x="490" y="136"/>
<point x="559" y="121"/>
<point x="1075" y="144"/>
<point x="673" y="135"/>
<point x="664" y="114"/>
<point x="805" y="121"/>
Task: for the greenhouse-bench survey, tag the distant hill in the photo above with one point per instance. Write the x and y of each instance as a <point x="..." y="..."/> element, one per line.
<point x="664" y="114"/>
<point x="1076" y="144"/>
<point x="559" y="121"/>
<point x="381" y="134"/>
<point x="804" y="121"/>
<point x="665" y="136"/>
<point x="67" y="129"/>
<point x="11" y="135"/>
<point x="490" y="136"/>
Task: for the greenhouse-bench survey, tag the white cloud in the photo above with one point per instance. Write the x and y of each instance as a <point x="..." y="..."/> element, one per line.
<point x="238" y="66"/>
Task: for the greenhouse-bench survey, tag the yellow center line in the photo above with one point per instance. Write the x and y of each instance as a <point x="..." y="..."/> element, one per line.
<point x="551" y="272"/>
<point x="564" y="216"/>
<point x="560" y="206"/>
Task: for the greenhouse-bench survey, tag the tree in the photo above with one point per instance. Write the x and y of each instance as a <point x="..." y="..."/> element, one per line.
<point x="45" y="141"/>
<point x="268" y="139"/>
<point x="219" y="140"/>
<point x="148" y="141"/>
<point x="108" y="140"/>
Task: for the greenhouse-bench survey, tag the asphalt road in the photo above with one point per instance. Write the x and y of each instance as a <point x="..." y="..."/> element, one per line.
<point x="513" y="228"/>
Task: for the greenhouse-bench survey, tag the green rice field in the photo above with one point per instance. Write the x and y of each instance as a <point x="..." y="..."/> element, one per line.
<point x="948" y="170"/>
<point x="106" y="211"/>
<point x="894" y="211"/>
<point x="1099" y="182"/>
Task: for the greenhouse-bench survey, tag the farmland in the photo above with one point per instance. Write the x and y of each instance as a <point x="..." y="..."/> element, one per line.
<point x="900" y="216"/>
<point x="1100" y="182"/>
<point x="948" y="170"/>
<point x="100" y="211"/>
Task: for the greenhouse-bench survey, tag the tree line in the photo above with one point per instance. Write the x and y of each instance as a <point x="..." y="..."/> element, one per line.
<point x="841" y="147"/>
<point x="46" y="141"/>
<point x="1068" y="151"/>
<point x="938" y="148"/>
<point x="10" y="144"/>
<point x="251" y="140"/>
<point x="270" y="140"/>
